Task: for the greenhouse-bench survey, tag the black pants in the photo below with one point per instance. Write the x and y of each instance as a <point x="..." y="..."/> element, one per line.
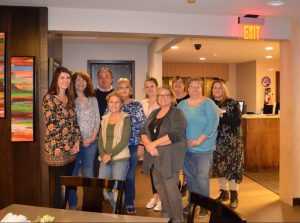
<point x="55" y="172"/>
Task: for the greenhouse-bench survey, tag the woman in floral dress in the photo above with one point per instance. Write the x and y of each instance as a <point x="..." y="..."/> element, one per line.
<point x="228" y="156"/>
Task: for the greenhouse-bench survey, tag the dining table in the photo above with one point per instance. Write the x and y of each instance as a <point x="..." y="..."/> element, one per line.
<point x="63" y="215"/>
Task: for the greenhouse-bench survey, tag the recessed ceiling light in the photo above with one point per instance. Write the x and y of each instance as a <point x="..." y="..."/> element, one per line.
<point x="174" y="47"/>
<point x="269" y="48"/>
<point x="270" y="69"/>
<point x="275" y="3"/>
<point x="215" y="54"/>
<point x="191" y="1"/>
<point x="269" y="57"/>
<point x="202" y="58"/>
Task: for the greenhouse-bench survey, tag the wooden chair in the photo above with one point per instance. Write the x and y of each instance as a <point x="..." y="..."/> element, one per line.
<point x="92" y="191"/>
<point x="219" y="213"/>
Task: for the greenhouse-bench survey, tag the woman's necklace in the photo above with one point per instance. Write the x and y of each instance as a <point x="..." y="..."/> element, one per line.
<point x="157" y="123"/>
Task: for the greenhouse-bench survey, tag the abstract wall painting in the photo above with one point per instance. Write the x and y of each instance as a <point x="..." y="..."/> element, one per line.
<point x="2" y="75"/>
<point x="22" y="99"/>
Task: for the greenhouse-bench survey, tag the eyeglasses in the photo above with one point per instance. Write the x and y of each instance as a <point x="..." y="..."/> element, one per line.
<point x="163" y="95"/>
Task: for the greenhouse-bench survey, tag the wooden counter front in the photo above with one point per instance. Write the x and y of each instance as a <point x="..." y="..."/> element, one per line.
<point x="261" y="140"/>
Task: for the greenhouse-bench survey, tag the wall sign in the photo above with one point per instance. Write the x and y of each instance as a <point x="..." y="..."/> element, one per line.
<point x="266" y="81"/>
<point x="251" y="32"/>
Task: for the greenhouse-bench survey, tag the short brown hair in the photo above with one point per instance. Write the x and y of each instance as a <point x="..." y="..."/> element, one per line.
<point x="105" y="69"/>
<point x="89" y="90"/>
<point x="172" y="95"/>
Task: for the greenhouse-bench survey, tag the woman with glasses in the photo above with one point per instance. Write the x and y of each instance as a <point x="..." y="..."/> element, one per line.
<point x="201" y="133"/>
<point x="163" y="136"/>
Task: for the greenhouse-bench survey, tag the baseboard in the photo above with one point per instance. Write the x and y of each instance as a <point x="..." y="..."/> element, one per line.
<point x="296" y="201"/>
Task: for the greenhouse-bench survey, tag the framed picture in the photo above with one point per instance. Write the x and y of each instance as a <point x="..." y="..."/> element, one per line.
<point x="2" y="75"/>
<point x="119" y="68"/>
<point x="22" y="98"/>
<point x="52" y="66"/>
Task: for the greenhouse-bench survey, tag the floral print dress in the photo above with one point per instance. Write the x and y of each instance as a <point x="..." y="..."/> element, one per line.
<point x="228" y="158"/>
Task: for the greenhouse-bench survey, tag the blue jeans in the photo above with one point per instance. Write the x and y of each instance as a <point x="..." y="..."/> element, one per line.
<point x="85" y="158"/>
<point x="196" y="169"/>
<point x="130" y="179"/>
<point x="113" y="170"/>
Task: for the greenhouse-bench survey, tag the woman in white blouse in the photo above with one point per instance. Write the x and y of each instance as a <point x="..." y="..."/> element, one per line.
<point x="86" y="107"/>
<point x="150" y="104"/>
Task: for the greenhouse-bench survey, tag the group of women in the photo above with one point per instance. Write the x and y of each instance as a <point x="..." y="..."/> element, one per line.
<point x="181" y="130"/>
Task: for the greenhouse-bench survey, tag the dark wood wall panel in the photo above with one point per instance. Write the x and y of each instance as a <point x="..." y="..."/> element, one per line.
<point x="20" y="169"/>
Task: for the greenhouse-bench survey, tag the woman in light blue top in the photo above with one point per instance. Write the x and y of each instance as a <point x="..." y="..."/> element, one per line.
<point x="201" y="133"/>
<point x="87" y="110"/>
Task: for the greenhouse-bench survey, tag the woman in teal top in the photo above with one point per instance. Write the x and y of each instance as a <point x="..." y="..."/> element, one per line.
<point x="201" y="133"/>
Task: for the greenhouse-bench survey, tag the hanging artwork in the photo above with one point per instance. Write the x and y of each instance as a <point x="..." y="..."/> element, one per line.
<point x="2" y="75"/>
<point x="22" y="99"/>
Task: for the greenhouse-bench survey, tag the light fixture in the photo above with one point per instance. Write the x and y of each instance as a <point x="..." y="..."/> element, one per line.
<point x="270" y="69"/>
<point x="215" y="54"/>
<point x="275" y="3"/>
<point x="174" y="47"/>
<point x="269" y="48"/>
<point x="202" y="58"/>
<point x="191" y="1"/>
<point x="269" y="57"/>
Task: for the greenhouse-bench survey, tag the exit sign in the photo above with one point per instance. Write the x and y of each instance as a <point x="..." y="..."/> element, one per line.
<point x="252" y="32"/>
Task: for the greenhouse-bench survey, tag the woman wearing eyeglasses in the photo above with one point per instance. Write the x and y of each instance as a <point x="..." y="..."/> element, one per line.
<point x="201" y="133"/>
<point x="163" y="136"/>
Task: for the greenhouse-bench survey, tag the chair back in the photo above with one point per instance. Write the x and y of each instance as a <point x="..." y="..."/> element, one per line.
<point x="219" y="213"/>
<point x="92" y="188"/>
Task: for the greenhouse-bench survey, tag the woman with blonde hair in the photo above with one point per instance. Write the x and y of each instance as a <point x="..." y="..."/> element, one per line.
<point x="201" y="133"/>
<point x="150" y="104"/>
<point x="163" y="136"/>
<point x="113" y="144"/>
<point x="137" y="119"/>
<point x="228" y="156"/>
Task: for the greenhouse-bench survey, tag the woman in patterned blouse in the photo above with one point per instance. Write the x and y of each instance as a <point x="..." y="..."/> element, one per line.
<point x="62" y="138"/>
<point x="87" y="110"/>
<point x="228" y="156"/>
<point x="137" y="119"/>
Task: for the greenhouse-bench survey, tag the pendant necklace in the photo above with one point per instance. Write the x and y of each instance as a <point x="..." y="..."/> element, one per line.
<point x="157" y="122"/>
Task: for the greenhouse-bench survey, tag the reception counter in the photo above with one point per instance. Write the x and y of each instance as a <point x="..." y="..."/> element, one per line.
<point x="261" y="140"/>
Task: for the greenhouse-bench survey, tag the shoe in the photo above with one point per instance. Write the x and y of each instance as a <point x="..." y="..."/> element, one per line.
<point x="158" y="206"/>
<point x="203" y="213"/>
<point x="224" y="196"/>
<point x="183" y="190"/>
<point x="130" y="210"/>
<point x="186" y="209"/>
<point x="234" y="200"/>
<point x="151" y="203"/>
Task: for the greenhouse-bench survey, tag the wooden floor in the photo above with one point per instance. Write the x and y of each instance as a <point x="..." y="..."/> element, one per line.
<point x="257" y="204"/>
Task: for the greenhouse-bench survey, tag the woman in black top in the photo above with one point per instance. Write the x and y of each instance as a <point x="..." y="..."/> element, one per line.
<point x="228" y="156"/>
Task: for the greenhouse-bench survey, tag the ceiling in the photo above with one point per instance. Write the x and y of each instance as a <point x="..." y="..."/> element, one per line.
<point x="214" y="50"/>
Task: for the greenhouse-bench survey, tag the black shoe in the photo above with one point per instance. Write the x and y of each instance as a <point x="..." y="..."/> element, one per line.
<point x="183" y="190"/>
<point x="234" y="200"/>
<point x="224" y="196"/>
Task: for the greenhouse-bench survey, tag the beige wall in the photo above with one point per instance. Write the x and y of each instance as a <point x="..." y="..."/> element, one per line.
<point x="231" y="83"/>
<point x="246" y="84"/>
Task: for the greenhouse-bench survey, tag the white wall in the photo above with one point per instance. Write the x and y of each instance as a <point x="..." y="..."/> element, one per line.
<point x="121" y="21"/>
<point x="76" y="55"/>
